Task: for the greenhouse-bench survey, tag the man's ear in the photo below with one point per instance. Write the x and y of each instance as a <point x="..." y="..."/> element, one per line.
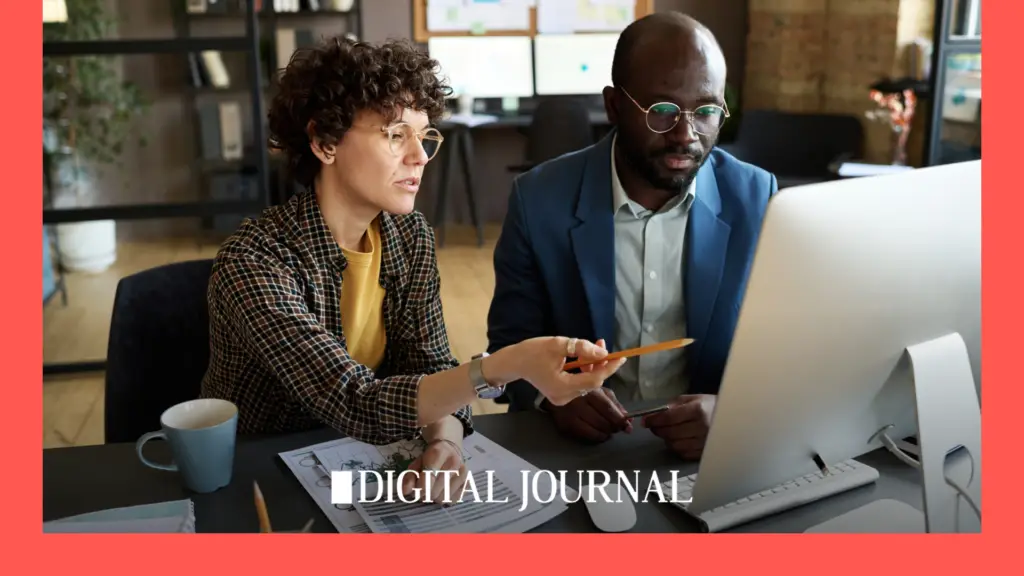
<point x="325" y="152"/>
<point x="610" y="105"/>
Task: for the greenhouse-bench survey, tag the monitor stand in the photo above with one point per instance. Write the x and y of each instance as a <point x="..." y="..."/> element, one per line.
<point x="948" y="423"/>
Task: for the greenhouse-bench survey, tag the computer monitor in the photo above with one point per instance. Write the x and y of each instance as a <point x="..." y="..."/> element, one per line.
<point x="847" y="275"/>
<point x="573" y="64"/>
<point x="485" y="66"/>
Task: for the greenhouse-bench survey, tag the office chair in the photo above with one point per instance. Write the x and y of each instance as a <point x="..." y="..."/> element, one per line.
<point x="799" y="148"/>
<point x="159" y="346"/>
<point x="559" y="126"/>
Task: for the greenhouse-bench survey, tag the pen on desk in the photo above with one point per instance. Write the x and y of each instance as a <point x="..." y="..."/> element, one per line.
<point x="261" y="508"/>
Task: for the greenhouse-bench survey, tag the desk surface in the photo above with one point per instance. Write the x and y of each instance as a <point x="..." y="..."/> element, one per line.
<point x="88" y="478"/>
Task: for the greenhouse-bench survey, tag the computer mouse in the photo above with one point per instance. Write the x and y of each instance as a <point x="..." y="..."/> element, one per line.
<point x="616" y="513"/>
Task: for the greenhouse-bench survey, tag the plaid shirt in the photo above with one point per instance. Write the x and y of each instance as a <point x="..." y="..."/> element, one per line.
<point x="276" y="344"/>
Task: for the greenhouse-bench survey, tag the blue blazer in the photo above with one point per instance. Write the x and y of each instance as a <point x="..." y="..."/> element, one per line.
<point x="554" y="261"/>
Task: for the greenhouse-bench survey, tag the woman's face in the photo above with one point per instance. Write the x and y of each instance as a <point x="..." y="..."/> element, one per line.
<point x="380" y="165"/>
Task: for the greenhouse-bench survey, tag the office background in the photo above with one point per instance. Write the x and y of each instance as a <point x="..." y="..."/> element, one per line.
<point x="801" y="74"/>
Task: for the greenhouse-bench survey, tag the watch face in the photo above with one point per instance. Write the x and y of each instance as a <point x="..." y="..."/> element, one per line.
<point x="491" y="393"/>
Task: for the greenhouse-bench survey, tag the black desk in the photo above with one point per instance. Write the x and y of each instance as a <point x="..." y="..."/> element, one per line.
<point x="459" y="143"/>
<point x="84" y="479"/>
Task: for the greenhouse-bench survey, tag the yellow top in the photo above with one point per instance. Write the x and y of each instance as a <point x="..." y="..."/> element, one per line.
<point x="362" y="303"/>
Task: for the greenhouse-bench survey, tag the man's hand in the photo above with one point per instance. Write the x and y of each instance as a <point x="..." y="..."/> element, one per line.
<point x="594" y="417"/>
<point x="438" y="456"/>
<point x="684" y="426"/>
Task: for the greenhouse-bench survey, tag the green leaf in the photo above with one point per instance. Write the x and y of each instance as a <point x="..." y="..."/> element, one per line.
<point x="85" y="95"/>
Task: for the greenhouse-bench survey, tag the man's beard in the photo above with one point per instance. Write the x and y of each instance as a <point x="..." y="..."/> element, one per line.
<point x="649" y="167"/>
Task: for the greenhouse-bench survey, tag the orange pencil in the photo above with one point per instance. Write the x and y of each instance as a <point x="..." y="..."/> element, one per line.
<point x="261" y="508"/>
<point x="660" y="347"/>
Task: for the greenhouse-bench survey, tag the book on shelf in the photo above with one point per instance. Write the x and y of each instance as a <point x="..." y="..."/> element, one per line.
<point x="207" y="69"/>
<point x="220" y="6"/>
<point x="288" y="6"/>
<point x="218" y="72"/>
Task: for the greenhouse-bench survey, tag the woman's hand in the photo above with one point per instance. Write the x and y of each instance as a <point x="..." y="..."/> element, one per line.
<point x="442" y="462"/>
<point x="540" y="361"/>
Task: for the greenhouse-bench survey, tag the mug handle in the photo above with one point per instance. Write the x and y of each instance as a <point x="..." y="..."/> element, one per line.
<point x="146" y="438"/>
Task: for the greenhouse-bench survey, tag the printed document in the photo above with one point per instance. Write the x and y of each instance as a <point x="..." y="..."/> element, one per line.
<point x="497" y="480"/>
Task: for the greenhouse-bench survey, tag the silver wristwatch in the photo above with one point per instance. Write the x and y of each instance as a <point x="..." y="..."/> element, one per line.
<point x="484" y="391"/>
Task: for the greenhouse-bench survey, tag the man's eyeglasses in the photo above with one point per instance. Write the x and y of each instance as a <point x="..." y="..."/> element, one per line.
<point x="663" y="116"/>
<point x="402" y="136"/>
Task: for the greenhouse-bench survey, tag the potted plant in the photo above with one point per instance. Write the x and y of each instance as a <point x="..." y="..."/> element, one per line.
<point x="88" y="112"/>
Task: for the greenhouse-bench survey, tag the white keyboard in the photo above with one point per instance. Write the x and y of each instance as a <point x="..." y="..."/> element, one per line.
<point x="844" y="476"/>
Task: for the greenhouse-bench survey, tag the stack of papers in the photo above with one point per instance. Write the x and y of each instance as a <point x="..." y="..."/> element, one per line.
<point x="162" y="518"/>
<point x="497" y="474"/>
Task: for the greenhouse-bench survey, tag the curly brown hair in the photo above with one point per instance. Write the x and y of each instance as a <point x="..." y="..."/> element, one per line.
<point x="329" y="83"/>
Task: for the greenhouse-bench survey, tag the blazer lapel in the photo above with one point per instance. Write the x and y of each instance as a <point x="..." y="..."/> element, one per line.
<point x="706" y="248"/>
<point x="593" y="240"/>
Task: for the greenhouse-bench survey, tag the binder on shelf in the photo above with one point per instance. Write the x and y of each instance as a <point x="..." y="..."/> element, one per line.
<point x="209" y="130"/>
<point x="231" y="140"/>
<point x="195" y="6"/>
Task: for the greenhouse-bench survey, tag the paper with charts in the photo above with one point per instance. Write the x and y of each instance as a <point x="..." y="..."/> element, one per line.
<point x="572" y="16"/>
<point x="312" y="466"/>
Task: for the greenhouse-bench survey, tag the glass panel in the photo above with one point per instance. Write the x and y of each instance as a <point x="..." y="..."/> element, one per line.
<point x="965" y="20"/>
<point x="960" y="120"/>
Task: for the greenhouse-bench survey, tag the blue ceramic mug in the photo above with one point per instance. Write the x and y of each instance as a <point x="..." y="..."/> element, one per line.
<point x="201" y="434"/>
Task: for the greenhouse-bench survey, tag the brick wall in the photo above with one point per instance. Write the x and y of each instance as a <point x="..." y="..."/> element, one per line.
<point x="785" y="55"/>
<point x="821" y="56"/>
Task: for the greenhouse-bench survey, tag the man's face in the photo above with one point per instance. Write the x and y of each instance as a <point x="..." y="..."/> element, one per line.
<point x="678" y="76"/>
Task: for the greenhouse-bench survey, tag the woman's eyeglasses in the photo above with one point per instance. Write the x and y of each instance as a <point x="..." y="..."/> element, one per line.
<point x="402" y="136"/>
<point x="663" y="116"/>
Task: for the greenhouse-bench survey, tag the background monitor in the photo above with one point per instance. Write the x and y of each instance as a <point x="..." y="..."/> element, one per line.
<point x="573" y="64"/>
<point x="485" y="66"/>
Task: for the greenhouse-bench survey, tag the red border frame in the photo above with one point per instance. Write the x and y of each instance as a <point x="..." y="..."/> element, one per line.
<point x="494" y="554"/>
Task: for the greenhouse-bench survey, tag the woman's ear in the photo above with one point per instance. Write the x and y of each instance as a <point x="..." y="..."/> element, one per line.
<point x="325" y="152"/>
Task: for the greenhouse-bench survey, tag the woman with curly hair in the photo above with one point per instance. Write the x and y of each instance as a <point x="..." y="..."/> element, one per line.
<point x="326" y="310"/>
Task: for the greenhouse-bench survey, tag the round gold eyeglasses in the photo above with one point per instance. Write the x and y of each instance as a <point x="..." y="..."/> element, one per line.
<point x="402" y="136"/>
<point x="663" y="116"/>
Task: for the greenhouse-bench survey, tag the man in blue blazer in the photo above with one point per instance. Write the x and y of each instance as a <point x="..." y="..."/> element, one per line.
<point x="644" y="237"/>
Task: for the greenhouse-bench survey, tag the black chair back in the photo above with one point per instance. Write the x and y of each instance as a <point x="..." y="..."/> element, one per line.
<point x="797" y="144"/>
<point x="159" y="346"/>
<point x="558" y="126"/>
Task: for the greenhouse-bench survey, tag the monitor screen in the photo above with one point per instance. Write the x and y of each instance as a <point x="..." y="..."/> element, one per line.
<point x="485" y="66"/>
<point x="573" y="63"/>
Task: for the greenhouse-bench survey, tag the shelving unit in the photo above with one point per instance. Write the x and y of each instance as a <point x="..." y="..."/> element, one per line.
<point x="256" y="168"/>
<point x="957" y="35"/>
<point x="249" y="44"/>
<point x="270" y="23"/>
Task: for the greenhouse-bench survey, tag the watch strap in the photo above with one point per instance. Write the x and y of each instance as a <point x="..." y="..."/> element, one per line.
<point x="478" y="379"/>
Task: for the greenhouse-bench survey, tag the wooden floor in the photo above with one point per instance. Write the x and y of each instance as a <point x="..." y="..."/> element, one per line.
<point x="73" y="405"/>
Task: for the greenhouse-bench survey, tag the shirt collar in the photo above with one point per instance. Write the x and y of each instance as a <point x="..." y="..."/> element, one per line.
<point x="620" y="198"/>
<point x="323" y="245"/>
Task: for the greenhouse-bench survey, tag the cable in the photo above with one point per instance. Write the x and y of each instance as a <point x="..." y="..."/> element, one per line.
<point x="910" y="461"/>
<point x="960" y="490"/>
<point x="903" y="456"/>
